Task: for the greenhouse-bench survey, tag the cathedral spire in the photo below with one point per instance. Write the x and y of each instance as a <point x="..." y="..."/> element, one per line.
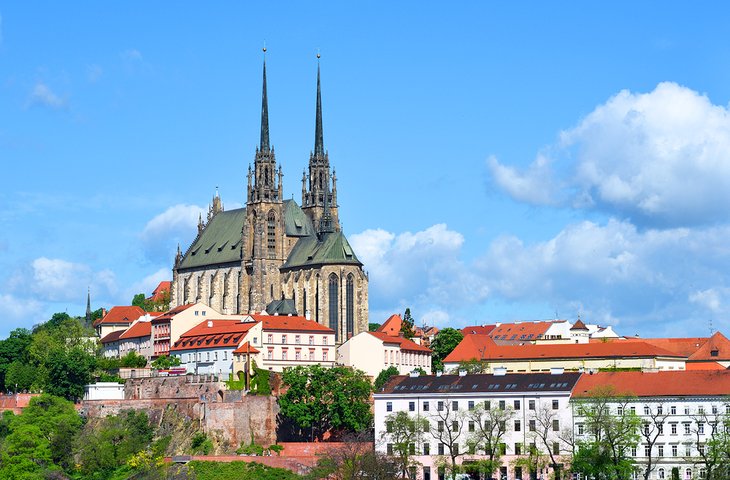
<point x="88" y="306"/>
<point x="325" y="224"/>
<point x="318" y="137"/>
<point x="264" y="147"/>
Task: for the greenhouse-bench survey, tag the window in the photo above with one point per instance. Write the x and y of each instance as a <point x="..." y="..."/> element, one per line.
<point x="454" y="426"/>
<point x="425" y="406"/>
<point x="647" y="450"/>
<point x="271" y="354"/>
<point x="388" y="406"/>
<point x="633" y="451"/>
<point x="556" y="425"/>
<point x="518" y="449"/>
<point x="426" y="448"/>
<point x="284" y="354"/>
<point x="270" y="338"/>
<point x="700" y="409"/>
<point x="673" y="410"/>
<point x="215" y="356"/>
<point x="334" y="288"/>
<point x="455" y="449"/>
<point x="531" y="404"/>
<point x="714" y="409"/>
<point x="440" y="406"/>
<point x="556" y="405"/>
<point x="701" y="428"/>
<point x="412" y="448"/>
<point x="673" y="428"/>
<point x="675" y="451"/>
<point x="389" y="427"/>
<point x="660" y="428"/>
<point x="646" y="429"/>
<point x="660" y="451"/>
<point x="311" y="339"/>
<point x="517" y="404"/>
<point x="471" y="426"/>
<point x="518" y="425"/>
<point x="687" y="429"/>
<point x="646" y="410"/>
<point x="389" y="449"/>
<point x="324" y="340"/>
<point x="350" y="305"/>
<point x="441" y="426"/>
<point x="503" y="448"/>
<point x="411" y="406"/>
<point x="619" y="410"/>
<point x="471" y="405"/>
<point x="687" y="450"/>
<point x="532" y="426"/>
<point x="297" y="339"/>
<point x="660" y="474"/>
<point x="455" y="405"/>
<point x="502" y="405"/>
<point x="441" y="449"/>
<point x="271" y="234"/>
<point x="283" y="339"/>
<point x="556" y="448"/>
<point x="207" y="356"/>
<point x="487" y="405"/>
<point x="581" y="429"/>
<point x="298" y="355"/>
<point x="324" y="355"/>
<point x="633" y="410"/>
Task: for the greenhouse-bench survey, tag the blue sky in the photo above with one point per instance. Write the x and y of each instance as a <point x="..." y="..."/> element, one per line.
<point x="496" y="161"/>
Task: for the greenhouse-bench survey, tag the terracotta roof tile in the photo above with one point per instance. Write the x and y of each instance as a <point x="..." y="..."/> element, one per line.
<point x="138" y="330"/>
<point x="483" y="347"/>
<point x="293" y="323"/>
<point x="160" y="290"/>
<point x="112" y="337"/>
<point x="402" y="342"/>
<point x="664" y="383"/>
<point x="522" y="330"/>
<point x="391" y="326"/>
<point x="245" y="348"/>
<point x="220" y="333"/>
<point x="478" y="329"/>
<point x="120" y="315"/>
<point x="171" y="313"/>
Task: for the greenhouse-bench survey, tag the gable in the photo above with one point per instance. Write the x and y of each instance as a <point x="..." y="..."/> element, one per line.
<point x="219" y="243"/>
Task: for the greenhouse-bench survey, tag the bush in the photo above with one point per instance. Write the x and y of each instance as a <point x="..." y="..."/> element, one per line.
<point x="250" y="449"/>
<point x="201" y="444"/>
<point x="133" y="360"/>
<point x="276" y="449"/>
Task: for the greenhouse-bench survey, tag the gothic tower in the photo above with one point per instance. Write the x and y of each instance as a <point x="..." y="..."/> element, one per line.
<point x="263" y="249"/>
<point x="316" y="193"/>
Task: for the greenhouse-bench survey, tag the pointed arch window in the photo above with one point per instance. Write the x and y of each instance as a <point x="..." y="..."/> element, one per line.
<point x="271" y="234"/>
<point x="350" y="305"/>
<point x="334" y="288"/>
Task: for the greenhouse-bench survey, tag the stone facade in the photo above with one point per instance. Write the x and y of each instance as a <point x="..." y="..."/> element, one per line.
<point x="243" y="261"/>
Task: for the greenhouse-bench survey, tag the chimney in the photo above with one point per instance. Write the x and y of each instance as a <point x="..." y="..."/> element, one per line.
<point x="439" y="373"/>
<point x="210" y="323"/>
<point x="462" y="373"/>
<point x="557" y="370"/>
<point x="307" y="315"/>
<point x="103" y="312"/>
<point x="415" y="373"/>
<point x="500" y="371"/>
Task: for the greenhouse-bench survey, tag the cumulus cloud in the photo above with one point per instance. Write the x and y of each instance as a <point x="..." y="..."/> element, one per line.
<point x="43" y="96"/>
<point x="149" y="283"/>
<point x="57" y="280"/>
<point x="713" y="299"/>
<point x="161" y="235"/>
<point x="660" y="158"/>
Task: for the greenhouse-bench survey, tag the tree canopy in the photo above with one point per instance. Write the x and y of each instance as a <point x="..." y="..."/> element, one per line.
<point x="320" y="400"/>
<point x="384" y="376"/>
<point x="443" y="344"/>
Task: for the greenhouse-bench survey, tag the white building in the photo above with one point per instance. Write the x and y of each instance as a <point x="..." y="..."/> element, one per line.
<point x="677" y="412"/>
<point x="104" y="391"/>
<point x="168" y="327"/>
<point x="533" y="410"/>
<point x="373" y="352"/>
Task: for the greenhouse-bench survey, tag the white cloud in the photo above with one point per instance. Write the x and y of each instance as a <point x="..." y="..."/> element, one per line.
<point x="17" y="309"/>
<point x="149" y="283"/>
<point x="43" y="96"/>
<point x="132" y="55"/>
<point x="712" y="299"/>
<point x="660" y="158"/>
<point x="57" y="280"/>
<point x="161" y="235"/>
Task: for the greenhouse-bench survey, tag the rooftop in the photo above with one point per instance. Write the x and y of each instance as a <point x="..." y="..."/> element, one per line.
<point x="658" y="384"/>
<point x="481" y="383"/>
<point x="120" y="315"/>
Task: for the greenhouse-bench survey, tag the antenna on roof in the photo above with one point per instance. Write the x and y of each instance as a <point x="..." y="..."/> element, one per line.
<point x="712" y="330"/>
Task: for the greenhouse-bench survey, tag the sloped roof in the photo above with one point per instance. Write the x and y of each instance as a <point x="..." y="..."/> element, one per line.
<point x="331" y="249"/>
<point x="663" y="383"/>
<point x="478" y="329"/>
<point x="138" y="330"/>
<point x="522" y="331"/>
<point x="290" y="323"/>
<point x="160" y="290"/>
<point x="112" y="337"/>
<point x="476" y="383"/>
<point x="219" y="242"/>
<point x="120" y="315"/>
<point x="481" y="347"/>
<point x="285" y="306"/>
<point x="579" y="325"/>
<point x="168" y="315"/>
<point x="696" y="349"/>
<point x="717" y="347"/>
<point x="391" y="326"/>
<point x="245" y="348"/>
<point x="403" y="343"/>
<point x="296" y="222"/>
<point x="220" y="333"/>
<point x="703" y="366"/>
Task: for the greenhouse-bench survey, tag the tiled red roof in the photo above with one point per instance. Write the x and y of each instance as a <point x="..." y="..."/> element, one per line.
<point x="160" y="290"/>
<point x="481" y="347"/>
<point x="403" y="343"/>
<point x="391" y="326"/>
<point x="293" y="323"/>
<point x="245" y="348"/>
<point x="171" y="313"/>
<point x="663" y="383"/>
<point x="522" y="331"/>
<point x="478" y="329"/>
<point x="120" y="315"/>
<point x="579" y="325"/>
<point x="220" y="333"/>
<point x="717" y="347"/>
<point x="703" y="366"/>
<point x="112" y="337"/>
<point x="138" y="330"/>
<point x="697" y="349"/>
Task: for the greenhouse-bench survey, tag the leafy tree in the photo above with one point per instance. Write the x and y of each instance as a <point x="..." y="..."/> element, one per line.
<point x="163" y="362"/>
<point x="403" y="433"/>
<point x="109" y="443"/>
<point x="447" y="427"/>
<point x="473" y="366"/>
<point x="133" y="360"/>
<point x="26" y="453"/>
<point x="491" y="425"/>
<point x="384" y="376"/>
<point x="20" y="376"/>
<point x="605" y="450"/>
<point x="444" y="343"/>
<point x="651" y="429"/>
<point x="354" y="459"/>
<point x="320" y="399"/>
<point x="373" y="327"/>
<point x="139" y="300"/>
<point x="546" y="435"/>
<point x="12" y="349"/>
<point x="407" y="327"/>
<point x="711" y="432"/>
<point x="68" y="372"/>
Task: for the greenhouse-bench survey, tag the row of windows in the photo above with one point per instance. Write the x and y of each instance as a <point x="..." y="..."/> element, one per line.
<point x="471" y="405"/>
<point x="413" y="359"/>
<point x="471" y="449"/>
<point x="673" y="428"/>
<point x="298" y="355"/>
<point x="297" y="339"/>
<point x="715" y="409"/>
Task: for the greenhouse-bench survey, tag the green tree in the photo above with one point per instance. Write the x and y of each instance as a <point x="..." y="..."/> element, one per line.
<point x="20" y="376"/>
<point x="139" y="300"/>
<point x="444" y="343"/>
<point x="320" y="400"/>
<point x="373" y="327"/>
<point x="407" y="327"/>
<point x="69" y="371"/>
<point x="404" y="434"/>
<point x="354" y="459"/>
<point x="384" y="376"/>
<point x="12" y="349"/>
<point x="133" y="360"/>
<point x="490" y="426"/>
<point x="605" y="449"/>
<point x="163" y="362"/>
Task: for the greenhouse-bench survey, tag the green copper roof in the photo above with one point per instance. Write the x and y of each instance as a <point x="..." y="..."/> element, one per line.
<point x="220" y="241"/>
<point x="333" y="248"/>
<point x="285" y="306"/>
<point x="296" y="222"/>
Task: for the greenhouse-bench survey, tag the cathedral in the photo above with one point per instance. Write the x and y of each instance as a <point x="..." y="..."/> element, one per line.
<point x="274" y="255"/>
